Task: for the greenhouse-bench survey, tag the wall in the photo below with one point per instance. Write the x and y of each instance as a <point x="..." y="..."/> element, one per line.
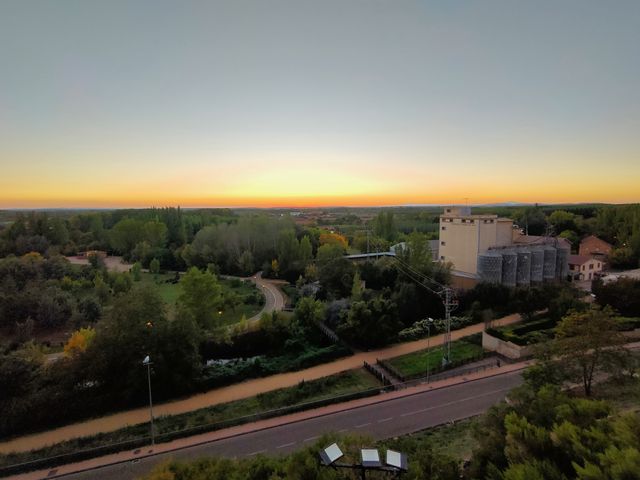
<point x="507" y="349"/>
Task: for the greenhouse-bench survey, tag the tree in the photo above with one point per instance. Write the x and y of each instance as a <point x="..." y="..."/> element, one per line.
<point x="384" y="226"/>
<point x="532" y="220"/>
<point x="356" y="289"/>
<point x="586" y="343"/>
<point x="336" y="276"/>
<point x="328" y="253"/>
<point x="136" y="326"/>
<point x="79" y="341"/>
<point x="201" y="297"/>
<point x="623" y="295"/>
<point x="154" y="266"/>
<point x="309" y="312"/>
<point x="330" y="238"/>
<point x="370" y="323"/>
<point x="275" y="267"/>
<point x="417" y="253"/>
<point x="245" y="262"/>
<point x="136" y="270"/>
<point x="528" y="300"/>
<point x="306" y="250"/>
<point x="126" y="234"/>
<point x="562" y="220"/>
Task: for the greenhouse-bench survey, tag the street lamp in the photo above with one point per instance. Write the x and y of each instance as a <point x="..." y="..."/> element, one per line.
<point x="429" y="323"/>
<point x="148" y="363"/>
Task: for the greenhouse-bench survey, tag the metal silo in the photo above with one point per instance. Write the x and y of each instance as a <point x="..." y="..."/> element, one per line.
<point x="509" y="266"/>
<point x="562" y="263"/>
<point x="490" y="267"/>
<point x="523" y="269"/>
<point x="537" y="264"/>
<point x="549" y="267"/>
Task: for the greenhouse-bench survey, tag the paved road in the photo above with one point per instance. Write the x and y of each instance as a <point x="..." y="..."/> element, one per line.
<point x="382" y="420"/>
<point x="274" y="300"/>
<point x="230" y="393"/>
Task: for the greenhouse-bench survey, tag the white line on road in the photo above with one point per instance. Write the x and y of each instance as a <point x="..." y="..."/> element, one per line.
<point x="462" y="400"/>
<point x="255" y="453"/>
<point x="311" y="439"/>
<point x="286" y="445"/>
<point x="363" y="425"/>
<point x="385" y="420"/>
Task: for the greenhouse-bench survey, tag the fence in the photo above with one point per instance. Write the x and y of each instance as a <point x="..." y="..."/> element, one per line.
<point x="377" y="373"/>
<point x="83" y="454"/>
<point x="436" y="369"/>
<point x="79" y="455"/>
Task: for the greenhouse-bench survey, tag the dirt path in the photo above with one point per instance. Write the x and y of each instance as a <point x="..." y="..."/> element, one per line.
<point x="232" y="392"/>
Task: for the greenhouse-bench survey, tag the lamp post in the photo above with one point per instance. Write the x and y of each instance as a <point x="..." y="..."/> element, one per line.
<point x="429" y="323"/>
<point x="148" y="363"/>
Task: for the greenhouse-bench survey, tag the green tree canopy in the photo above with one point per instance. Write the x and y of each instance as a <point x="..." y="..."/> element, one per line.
<point x="201" y="296"/>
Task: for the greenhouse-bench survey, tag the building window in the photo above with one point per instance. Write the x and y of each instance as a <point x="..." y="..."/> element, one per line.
<point x="598" y="264"/>
<point x="591" y="266"/>
<point x="583" y="269"/>
<point x="444" y="228"/>
<point x="443" y="243"/>
<point x="441" y="257"/>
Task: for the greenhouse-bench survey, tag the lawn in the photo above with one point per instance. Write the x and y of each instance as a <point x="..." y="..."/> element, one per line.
<point x="169" y="292"/>
<point x="348" y="382"/>
<point x="415" y="364"/>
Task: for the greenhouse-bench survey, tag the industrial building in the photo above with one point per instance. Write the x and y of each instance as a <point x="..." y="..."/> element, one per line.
<point x="487" y="248"/>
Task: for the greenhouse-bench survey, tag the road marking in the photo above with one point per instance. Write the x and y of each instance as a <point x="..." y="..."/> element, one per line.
<point x="286" y="445"/>
<point x="462" y="400"/>
<point x="363" y="425"/>
<point x="414" y="412"/>
<point x="255" y="453"/>
<point x="385" y="420"/>
<point x="343" y="430"/>
<point x="311" y="439"/>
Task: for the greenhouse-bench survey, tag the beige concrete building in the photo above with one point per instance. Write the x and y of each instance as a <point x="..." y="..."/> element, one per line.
<point x="463" y="236"/>
<point x="487" y="248"/>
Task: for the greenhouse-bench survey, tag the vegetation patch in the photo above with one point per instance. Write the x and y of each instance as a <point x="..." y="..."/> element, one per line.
<point x="311" y="394"/>
<point x="414" y="364"/>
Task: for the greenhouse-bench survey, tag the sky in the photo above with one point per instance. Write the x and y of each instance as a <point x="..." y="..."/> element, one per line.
<point x="142" y="103"/>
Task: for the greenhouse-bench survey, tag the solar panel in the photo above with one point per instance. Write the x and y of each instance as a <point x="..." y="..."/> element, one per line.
<point x="331" y="454"/>
<point x="370" y="457"/>
<point x="396" y="459"/>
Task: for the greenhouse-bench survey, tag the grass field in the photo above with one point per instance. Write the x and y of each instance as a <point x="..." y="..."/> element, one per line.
<point x="170" y="292"/>
<point x="334" y="385"/>
<point x="416" y="363"/>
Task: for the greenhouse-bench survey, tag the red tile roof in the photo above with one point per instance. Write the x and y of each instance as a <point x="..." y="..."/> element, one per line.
<point x="579" y="259"/>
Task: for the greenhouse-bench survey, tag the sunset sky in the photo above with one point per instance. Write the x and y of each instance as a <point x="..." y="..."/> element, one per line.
<point x="305" y="103"/>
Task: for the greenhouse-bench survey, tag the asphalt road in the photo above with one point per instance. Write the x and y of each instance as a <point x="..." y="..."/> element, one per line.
<point x="383" y="420"/>
<point x="274" y="300"/>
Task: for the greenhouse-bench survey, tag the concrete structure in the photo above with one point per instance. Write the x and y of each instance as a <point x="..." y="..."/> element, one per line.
<point x="464" y="236"/>
<point x="593" y="245"/>
<point x="487" y="248"/>
<point x="584" y="267"/>
<point x="506" y="349"/>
